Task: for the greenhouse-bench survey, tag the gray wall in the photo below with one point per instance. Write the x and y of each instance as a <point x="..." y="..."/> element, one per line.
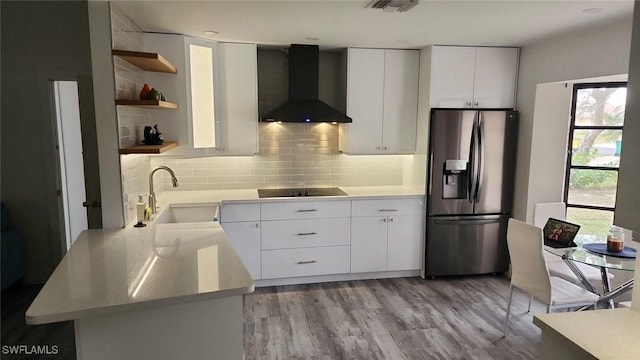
<point x="589" y="52"/>
<point x="41" y="41"/>
<point x="628" y="200"/>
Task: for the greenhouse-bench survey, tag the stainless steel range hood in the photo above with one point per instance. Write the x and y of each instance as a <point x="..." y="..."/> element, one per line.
<point x="303" y="105"/>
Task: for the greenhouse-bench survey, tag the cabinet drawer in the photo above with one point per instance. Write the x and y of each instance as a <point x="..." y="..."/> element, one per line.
<point x="387" y="207"/>
<point x="286" y="234"/>
<point x="239" y="212"/>
<point x="305" y="210"/>
<point x="305" y="262"/>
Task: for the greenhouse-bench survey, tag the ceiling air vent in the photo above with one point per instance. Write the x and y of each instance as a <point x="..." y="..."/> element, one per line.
<point x="393" y="5"/>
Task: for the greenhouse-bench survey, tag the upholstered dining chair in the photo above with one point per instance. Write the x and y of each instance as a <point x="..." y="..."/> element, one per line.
<point x="557" y="267"/>
<point x="529" y="272"/>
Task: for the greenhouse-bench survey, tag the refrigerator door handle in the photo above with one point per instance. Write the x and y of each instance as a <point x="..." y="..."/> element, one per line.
<point x="467" y="222"/>
<point x="480" y="164"/>
<point x="472" y="163"/>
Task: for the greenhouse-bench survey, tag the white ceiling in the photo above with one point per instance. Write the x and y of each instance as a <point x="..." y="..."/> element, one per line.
<point x="341" y="23"/>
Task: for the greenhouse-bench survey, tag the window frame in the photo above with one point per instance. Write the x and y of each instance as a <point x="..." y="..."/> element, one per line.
<point x="572" y="128"/>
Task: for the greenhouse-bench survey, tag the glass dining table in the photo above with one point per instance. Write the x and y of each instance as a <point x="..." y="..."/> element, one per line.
<point x="579" y="254"/>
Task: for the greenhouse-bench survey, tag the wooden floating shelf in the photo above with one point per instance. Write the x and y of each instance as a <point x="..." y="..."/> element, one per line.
<point x="146" y="61"/>
<point x="149" y="149"/>
<point x="149" y="104"/>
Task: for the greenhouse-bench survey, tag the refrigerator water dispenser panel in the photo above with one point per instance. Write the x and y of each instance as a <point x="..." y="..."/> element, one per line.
<point x="455" y="179"/>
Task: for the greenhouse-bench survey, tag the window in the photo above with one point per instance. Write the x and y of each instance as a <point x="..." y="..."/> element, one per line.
<point x="595" y="140"/>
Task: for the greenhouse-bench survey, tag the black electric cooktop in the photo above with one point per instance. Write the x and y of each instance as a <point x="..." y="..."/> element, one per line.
<point x="270" y="193"/>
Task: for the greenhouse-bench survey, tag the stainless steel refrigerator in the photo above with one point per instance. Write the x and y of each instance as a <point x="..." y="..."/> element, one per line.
<point x="469" y="191"/>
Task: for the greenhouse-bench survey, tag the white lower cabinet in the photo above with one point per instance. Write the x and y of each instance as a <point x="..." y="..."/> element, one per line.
<point x="280" y="240"/>
<point x="386" y="235"/>
<point x="368" y="244"/>
<point x="405" y="239"/>
<point x="241" y="224"/>
<point x="286" y="263"/>
<point x="245" y="238"/>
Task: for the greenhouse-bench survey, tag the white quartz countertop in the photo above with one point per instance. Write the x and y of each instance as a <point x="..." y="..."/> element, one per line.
<point x="108" y="271"/>
<point x="251" y="195"/>
<point x="604" y="334"/>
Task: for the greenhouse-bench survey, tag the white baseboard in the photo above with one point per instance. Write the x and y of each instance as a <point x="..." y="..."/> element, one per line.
<point x="339" y="277"/>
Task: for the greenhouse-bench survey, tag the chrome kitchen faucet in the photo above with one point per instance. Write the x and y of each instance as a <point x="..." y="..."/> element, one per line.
<point x="152" y="195"/>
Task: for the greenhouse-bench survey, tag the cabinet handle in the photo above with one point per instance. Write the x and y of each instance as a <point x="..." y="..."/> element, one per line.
<point x="307" y="210"/>
<point x="257" y="225"/>
<point x="469" y="103"/>
<point x="476" y="103"/>
<point x="387" y="210"/>
<point x="384" y="220"/>
<point x="377" y="147"/>
<point x="385" y="148"/>
<point x="390" y="219"/>
<point x="307" y="262"/>
<point x="308" y="233"/>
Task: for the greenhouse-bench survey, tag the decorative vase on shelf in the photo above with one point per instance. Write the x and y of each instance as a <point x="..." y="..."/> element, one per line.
<point x="145" y="91"/>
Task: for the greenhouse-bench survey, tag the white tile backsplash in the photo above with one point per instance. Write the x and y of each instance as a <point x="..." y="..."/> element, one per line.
<point x="291" y="155"/>
<point x="135" y="174"/>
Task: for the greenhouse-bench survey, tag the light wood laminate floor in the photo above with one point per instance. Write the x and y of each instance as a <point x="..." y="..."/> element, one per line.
<point x="408" y="318"/>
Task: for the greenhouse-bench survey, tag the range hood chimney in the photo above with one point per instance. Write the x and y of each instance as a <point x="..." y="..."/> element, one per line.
<point x="303" y="105"/>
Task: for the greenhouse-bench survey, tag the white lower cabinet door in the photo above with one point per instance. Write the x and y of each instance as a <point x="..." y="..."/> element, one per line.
<point x="405" y="243"/>
<point x="245" y="238"/>
<point x="286" y="263"/>
<point x="368" y="244"/>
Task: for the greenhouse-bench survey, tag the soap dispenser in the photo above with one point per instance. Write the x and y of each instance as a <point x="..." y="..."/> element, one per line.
<point x="140" y="211"/>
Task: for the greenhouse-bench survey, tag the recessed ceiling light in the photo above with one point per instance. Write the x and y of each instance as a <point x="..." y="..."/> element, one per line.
<point x="592" y="10"/>
<point x="211" y="32"/>
<point x="312" y="38"/>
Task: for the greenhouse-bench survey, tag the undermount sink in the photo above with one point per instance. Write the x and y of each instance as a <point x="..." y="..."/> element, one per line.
<point x="175" y="214"/>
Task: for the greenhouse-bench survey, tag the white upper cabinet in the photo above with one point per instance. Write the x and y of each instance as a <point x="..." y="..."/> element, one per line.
<point x="382" y="100"/>
<point x="238" y="97"/>
<point x="365" y="94"/>
<point x="203" y="126"/>
<point x="473" y="77"/>
<point x="452" y="72"/>
<point x="235" y="98"/>
<point x="401" y="69"/>
<point x="229" y="103"/>
<point x="495" y="77"/>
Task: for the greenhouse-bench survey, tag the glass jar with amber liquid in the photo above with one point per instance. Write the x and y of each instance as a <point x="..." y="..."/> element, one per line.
<point x="615" y="239"/>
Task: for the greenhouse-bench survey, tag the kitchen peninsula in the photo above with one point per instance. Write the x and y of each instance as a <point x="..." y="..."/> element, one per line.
<point x="164" y="291"/>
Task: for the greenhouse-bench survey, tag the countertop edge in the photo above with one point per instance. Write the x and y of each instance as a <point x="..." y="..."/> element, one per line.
<point x="150" y="304"/>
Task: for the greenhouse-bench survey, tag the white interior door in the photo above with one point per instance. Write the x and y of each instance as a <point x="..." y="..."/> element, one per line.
<point x="72" y="191"/>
